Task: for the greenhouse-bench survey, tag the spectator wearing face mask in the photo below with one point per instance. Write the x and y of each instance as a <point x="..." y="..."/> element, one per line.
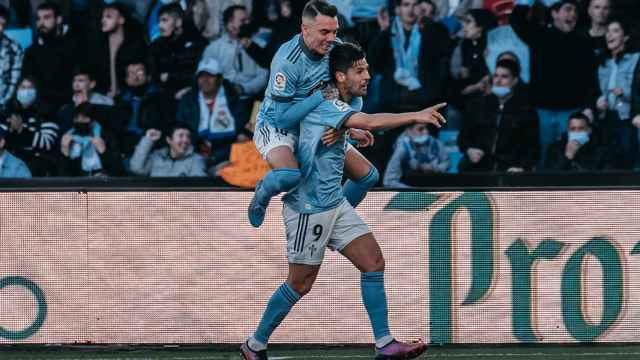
<point x="178" y="159"/>
<point x="500" y="129"/>
<point x="416" y="153"/>
<point x="31" y="135"/>
<point x="90" y="147"/>
<point x="579" y="149"/>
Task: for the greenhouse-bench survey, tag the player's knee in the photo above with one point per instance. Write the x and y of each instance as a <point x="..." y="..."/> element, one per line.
<point x="301" y="287"/>
<point x="371" y="179"/>
<point x="375" y="264"/>
<point x="288" y="178"/>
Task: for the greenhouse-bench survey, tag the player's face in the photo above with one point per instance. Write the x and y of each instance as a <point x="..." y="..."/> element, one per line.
<point x="82" y="82"/>
<point x="136" y="75"/>
<point x="47" y="22"/>
<point x="180" y="141"/>
<point x="167" y="25"/>
<point x="320" y="33"/>
<point x="111" y="19"/>
<point x="358" y="78"/>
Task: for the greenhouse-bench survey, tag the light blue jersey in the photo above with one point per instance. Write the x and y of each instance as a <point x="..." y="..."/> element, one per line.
<point x="295" y="73"/>
<point x="321" y="166"/>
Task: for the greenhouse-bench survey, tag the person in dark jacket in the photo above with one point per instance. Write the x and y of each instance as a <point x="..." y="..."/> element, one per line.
<point x="121" y="39"/>
<point x="32" y="131"/>
<point x="52" y="57"/>
<point x="175" y="54"/>
<point x="211" y="112"/>
<point x="579" y="149"/>
<point x="500" y="129"/>
<point x="563" y="67"/>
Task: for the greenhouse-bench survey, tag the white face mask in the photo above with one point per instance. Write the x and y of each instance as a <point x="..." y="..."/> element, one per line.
<point x="26" y="97"/>
<point x="420" y="139"/>
<point x="500" y="91"/>
<point x="581" y="137"/>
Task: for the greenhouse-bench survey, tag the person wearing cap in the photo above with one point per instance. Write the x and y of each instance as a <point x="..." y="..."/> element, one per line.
<point x="211" y="110"/>
<point x="563" y="67"/>
<point x="11" y="166"/>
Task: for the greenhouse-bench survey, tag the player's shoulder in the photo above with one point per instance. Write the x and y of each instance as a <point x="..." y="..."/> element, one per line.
<point x="335" y="106"/>
<point x="290" y="52"/>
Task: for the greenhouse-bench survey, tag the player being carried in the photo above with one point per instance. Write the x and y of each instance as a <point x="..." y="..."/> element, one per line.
<point x="317" y="215"/>
<point x="297" y="85"/>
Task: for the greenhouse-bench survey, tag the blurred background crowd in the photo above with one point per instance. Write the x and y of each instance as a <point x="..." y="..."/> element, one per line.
<point x="172" y="87"/>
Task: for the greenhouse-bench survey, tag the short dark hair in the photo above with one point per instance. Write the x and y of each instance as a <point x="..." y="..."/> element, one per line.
<point x="510" y="65"/>
<point x="177" y="126"/>
<point x="4" y="13"/>
<point x="49" y="5"/>
<point x="119" y="7"/>
<point x="556" y="6"/>
<point x="172" y="9"/>
<point x="319" y="7"/>
<point x="228" y="13"/>
<point x="82" y="109"/>
<point x="579" y="116"/>
<point x="343" y="56"/>
<point x="82" y="70"/>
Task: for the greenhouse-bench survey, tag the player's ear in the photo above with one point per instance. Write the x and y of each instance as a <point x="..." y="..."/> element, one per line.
<point x="340" y="76"/>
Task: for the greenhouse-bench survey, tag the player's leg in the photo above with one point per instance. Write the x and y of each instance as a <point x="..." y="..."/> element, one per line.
<point x="276" y="146"/>
<point x="365" y="254"/>
<point x="361" y="174"/>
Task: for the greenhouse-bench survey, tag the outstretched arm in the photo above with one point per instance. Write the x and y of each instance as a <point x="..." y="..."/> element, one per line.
<point x="373" y="122"/>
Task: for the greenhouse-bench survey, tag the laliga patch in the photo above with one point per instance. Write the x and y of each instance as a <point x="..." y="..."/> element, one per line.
<point x="279" y="81"/>
<point x="340" y="105"/>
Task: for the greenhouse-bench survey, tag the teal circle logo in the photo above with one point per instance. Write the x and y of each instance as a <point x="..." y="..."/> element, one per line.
<point x="42" y="307"/>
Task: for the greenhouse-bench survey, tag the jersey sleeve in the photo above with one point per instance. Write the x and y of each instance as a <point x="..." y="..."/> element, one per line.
<point x="334" y="113"/>
<point x="283" y="80"/>
<point x="357" y="103"/>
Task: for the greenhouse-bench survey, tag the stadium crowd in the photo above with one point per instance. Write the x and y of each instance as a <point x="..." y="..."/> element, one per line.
<point x="171" y="87"/>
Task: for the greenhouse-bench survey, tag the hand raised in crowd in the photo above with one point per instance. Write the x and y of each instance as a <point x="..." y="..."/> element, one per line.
<point x="65" y="143"/>
<point x="475" y="155"/>
<point x="636" y="121"/>
<point x="602" y="103"/>
<point x="383" y="19"/>
<point x="99" y="144"/>
<point x="153" y="134"/>
<point x="431" y="115"/>
<point x="571" y="149"/>
<point x="15" y="123"/>
<point x="80" y="97"/>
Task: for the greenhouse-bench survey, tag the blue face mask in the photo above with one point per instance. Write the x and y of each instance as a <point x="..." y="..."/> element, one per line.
<point x="420" y="139"/>
<point x="500" y="91"/>
<point x="26" y="97"/>
<point x="581" y="137"/>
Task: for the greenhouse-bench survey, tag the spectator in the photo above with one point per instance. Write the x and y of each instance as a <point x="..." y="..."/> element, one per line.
<point x="247" y="77"/>
<point x="408" y="59"/>
<point x="578" y="150"/>
<point x="83" y="86"/>
<point x="364" y="17"/>
<point x="10" y="166"/>
<point x="563" y="68"/>
<point x="10" y="61"/>
<point x="51" y="59"/>
<point x="209" y="111"/>
<point x="619" y="104"/>
<point x="90" y="148"/>
<point x="468" y="66"/>
<point x="31" y="134"/>
<point x="425" y="10"/>
<point x="175" y="54"/>
<point x="500" y="129"/>
<point x="212" y="16"/>
<point x="178" y="159"/>
<point x="416" y="152"/>
<point x="147" y="106"/>
<point x="598" y="14"/>
<point x="121" y="40"/>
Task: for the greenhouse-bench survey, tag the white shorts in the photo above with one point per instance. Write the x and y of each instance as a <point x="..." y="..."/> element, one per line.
<point x="268" y="137"/>
<point x="309" y="234"/>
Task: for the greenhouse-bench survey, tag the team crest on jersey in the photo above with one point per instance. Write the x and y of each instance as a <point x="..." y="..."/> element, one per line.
<point x="279" y="81"/>
<point x="340" y="105"/>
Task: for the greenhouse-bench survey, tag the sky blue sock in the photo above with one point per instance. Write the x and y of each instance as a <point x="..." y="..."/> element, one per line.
<point x="277" y="309"/>
<point x="275" y="182"/>
<point x="355" y="191"/>
<point x="375" y="301"/>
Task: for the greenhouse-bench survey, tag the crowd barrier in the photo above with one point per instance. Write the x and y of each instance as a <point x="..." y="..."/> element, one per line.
<point x="97" y="265"/>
